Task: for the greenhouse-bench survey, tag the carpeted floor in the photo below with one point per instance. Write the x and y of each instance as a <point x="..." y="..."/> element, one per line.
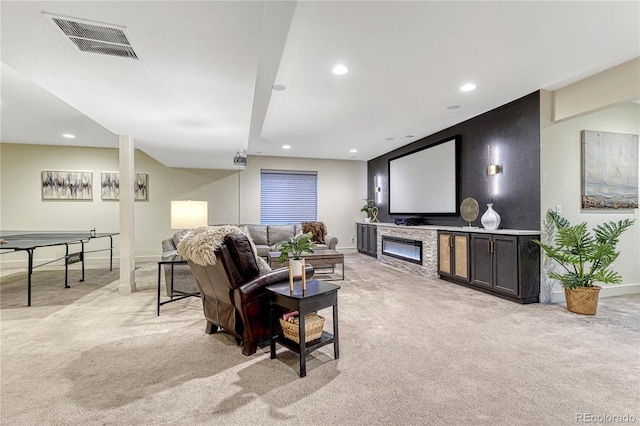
<point x="48" y="287"/>
<point x="412" y="352"/>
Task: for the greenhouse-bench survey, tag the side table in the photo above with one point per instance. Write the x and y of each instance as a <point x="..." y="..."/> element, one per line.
<point x="319" y="295"/>
<point x="171" y="260"/>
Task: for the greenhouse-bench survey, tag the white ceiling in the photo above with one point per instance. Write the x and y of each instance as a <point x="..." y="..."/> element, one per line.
<point x="202" y="88"/>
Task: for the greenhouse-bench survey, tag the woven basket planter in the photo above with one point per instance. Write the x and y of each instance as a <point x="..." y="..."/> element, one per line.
<point x="313" y="325"/>
<point x="582" y="300"/>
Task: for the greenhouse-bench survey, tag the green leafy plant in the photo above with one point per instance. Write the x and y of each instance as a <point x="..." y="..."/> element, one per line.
<point x="296" y="245"/>
<point x="585" y="257"/>
<point x="368" y="207"/>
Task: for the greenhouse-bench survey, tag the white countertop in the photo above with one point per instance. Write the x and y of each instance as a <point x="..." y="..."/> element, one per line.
<point x="458" y="229"/>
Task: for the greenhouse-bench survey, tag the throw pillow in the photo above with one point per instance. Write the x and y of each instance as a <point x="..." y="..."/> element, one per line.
<point x="263" y="266"/>
<point x="258" y="234"/>
<point x="316" y="229"/>
<point x="240" y="249"/>
<point x="279" y="233"/>
<point x="245" y="231"/>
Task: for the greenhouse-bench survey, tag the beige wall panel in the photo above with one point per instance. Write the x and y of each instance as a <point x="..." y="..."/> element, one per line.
<point x="614" y="86"/>
<point x="342" y="186"/>
<point x="561" y="172"/>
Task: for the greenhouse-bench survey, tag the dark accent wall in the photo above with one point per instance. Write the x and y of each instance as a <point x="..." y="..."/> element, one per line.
<point x="513" y="130"/>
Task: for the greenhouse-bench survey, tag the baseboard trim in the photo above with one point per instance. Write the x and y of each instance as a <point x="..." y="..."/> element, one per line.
<point x="607" y="291"/>
<point x="556" y="297"/>
<point x="619" y="289"/>
<point x="90" y="262"/>
<point x="347" y="250"/>
<point x="148" y="259"/>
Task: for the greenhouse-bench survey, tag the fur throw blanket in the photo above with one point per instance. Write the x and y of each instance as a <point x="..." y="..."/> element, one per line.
<point x="200" y="244"/>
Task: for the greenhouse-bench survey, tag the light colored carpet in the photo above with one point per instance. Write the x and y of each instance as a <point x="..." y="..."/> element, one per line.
<point x="412" y="352"/>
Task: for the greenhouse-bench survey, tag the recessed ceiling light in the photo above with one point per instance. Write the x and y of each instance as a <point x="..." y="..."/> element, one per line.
<point x="340" y="69"/>
<point x="279" y="87"/>
<point x="353" y="150"/>
<point x="453" y="107"/>
<point x="468" y="87"/>
<point x="68" y="136"/>
<point x="409" y="136"/>
<point x="286" y="146"/>
<point x="390" y="139"/>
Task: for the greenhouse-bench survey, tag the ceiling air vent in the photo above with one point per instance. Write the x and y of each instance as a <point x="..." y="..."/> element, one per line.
<point x="95" y="37"/>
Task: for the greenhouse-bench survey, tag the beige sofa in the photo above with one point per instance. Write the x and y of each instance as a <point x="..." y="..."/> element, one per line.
<point x="183" y="280"/>
<point x="265" y="237"/>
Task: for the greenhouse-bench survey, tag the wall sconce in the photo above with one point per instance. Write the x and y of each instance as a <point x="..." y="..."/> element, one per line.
<point x="376" y="189"/>
<point x="189" y="214"/>
<point x="492" y="169"/>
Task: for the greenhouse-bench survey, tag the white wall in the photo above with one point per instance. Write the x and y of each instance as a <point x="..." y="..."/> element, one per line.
<point x="561" y="185"/>
<point x="341" y="190"/>
<point x="342" y="186"/>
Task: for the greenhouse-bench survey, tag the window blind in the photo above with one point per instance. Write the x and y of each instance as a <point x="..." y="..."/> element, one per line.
<point x="288" y="197"/>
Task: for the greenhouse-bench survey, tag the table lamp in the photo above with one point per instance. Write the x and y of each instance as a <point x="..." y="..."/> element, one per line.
<point x="188" y="214"/>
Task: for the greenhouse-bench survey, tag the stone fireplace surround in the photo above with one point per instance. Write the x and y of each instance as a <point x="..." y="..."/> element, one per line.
<point x="428" y="234"/>
<point x="402" y="248"/>
<point x="429" y="237"/>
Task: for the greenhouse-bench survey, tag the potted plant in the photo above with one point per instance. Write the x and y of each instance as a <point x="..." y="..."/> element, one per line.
<point x="295" y="246"/>
<point x="585" y="259"/>
<point x="369" y="208"/>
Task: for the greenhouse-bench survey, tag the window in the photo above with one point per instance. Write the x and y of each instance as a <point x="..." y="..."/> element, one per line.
<point x="288" y="197"/>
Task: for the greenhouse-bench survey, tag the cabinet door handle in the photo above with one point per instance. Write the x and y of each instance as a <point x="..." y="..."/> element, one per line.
<point x="489" y="246"/>
<point x="493" y="247"/>
<point x="451" y="244"/>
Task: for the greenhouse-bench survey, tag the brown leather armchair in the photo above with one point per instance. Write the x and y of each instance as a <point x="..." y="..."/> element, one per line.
<point x="233" y="292"/>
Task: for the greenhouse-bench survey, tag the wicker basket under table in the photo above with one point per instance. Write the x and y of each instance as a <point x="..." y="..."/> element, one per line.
<point x="313" y="325"/>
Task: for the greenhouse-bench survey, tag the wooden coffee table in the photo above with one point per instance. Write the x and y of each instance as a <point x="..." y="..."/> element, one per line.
<point x="319" y="260"/>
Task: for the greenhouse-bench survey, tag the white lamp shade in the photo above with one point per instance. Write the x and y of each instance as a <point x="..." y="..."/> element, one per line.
<point x="188" y="214"/>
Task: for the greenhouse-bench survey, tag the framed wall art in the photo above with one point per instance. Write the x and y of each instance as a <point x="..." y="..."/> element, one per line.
<point x="110" y="186"/>
<point x="67" y="185"/>
<point x="141" y="187"/>
<point x="609" y="170"/>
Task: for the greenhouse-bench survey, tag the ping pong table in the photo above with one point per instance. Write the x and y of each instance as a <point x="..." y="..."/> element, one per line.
<point x="29" y="241"/>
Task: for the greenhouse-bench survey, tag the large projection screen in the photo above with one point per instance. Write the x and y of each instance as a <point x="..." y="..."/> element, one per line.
<point x="425" y="181"/>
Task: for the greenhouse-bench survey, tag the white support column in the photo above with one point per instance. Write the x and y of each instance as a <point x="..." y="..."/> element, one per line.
<point x="127" y="216"/>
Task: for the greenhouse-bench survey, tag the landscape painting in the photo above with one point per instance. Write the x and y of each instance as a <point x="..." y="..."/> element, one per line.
<point x="110" y="186"/>
<point x="67" y="185"/>
<point x="609" y="170"/>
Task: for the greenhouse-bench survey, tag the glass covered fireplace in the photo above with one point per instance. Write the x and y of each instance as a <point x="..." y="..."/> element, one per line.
<point x="401" y="248"/>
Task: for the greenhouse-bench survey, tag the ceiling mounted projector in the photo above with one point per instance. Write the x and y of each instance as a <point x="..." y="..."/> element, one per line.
<point x="240" y="159"/>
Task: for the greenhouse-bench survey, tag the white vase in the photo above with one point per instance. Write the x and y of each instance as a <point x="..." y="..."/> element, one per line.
<point x="297" y="267"/>
<point x="297" y="270"/>
<point x="490" y="219"/>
